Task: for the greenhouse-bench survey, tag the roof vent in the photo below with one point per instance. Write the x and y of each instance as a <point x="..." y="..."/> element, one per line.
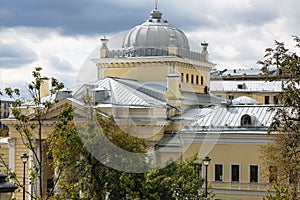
<point x="241" y="86"/>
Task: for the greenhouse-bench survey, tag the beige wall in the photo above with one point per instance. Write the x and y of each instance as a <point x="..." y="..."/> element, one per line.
<point x="235" y="149"/>
<point x="258" y="96"/>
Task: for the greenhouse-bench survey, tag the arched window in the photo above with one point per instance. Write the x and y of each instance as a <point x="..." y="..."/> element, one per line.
<point x="246" y="120"/>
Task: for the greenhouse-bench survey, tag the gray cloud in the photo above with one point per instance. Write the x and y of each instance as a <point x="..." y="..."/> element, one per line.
<point x="15" y="55"/>
<point x="60" y="63"/>
<point x="238" y="31"/>
<point x="96" y="17"/>
<point x="73" y="17"/>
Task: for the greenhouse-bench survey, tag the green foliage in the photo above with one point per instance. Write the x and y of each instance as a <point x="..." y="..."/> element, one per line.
<point x="284" y="151"/>
<point x="80" y="175"/>
<point x="29" y="124"/>
<point x="176" y="181"/>
<point x="280" y="193"/>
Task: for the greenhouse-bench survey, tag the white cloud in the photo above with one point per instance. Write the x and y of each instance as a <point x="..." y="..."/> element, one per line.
<point x="237" y="31"/>
<point x="59" y="56"/>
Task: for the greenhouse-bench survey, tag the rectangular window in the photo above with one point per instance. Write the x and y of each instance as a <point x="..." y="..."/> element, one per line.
<point x="218" y="172"/>
<point x="202" y="80"/>
<point x="275" y="99"/>
<point x="235" y="173"/>
<point x="192" y="79"/>
<point x="253" y="173"/>
<point x="182" y="77"/>
<point x="50" y="185"/>
<point x="187" y="78"/>
<point x="198" y="169"/>
<point x="267" y="100"/>
<point x="197" y="79"/>
<point x="272" y="174"/>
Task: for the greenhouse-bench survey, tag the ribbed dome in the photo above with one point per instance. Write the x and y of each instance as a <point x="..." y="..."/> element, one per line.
<point x="243" y="100"/>
<point x="155" y="33"/>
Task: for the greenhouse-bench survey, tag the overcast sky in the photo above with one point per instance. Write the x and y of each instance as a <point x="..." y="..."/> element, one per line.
<point x="59" y="35"/>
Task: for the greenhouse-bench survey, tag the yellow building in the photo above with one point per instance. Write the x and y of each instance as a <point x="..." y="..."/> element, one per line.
<point x="161" y="87"/>
<point x="260" y="90"/>
<point x="234" y="83"/>
<point x="231" y="135"/>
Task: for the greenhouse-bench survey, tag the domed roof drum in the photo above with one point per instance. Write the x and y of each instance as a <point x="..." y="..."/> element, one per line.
<point x="155" y="33"/>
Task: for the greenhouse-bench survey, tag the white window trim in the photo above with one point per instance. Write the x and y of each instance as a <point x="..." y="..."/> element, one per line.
<point x="214" y="172"/>
<point x="230" y="172"/>
<point x="258" y="172"/>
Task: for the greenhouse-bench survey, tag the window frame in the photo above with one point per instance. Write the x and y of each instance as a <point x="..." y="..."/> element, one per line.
<point x="246" y="118"/>
<point x="239" y="174"/>
<point x="249" y="173"/>
<point x="187" y="78"/>
<point x="222" y="179"/>
<point x="274" y="176"/>
<point x="267" y="100"/>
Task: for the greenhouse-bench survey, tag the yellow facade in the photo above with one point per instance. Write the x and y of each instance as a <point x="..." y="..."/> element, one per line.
<point x="16" y="149"/>
<point x="245" y="155"/>
<point x="169" y="112"/>
<point x="260" y="97"/>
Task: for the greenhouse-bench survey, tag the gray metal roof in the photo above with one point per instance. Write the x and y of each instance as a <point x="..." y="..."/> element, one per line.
<point x="245" y="86"/>
<point x="125" y="94"/>
<point x="229" y="117"/>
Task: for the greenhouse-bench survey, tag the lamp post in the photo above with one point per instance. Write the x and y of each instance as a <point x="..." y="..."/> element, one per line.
<point x="24" y="158"/>
<point x="206" y="161"/>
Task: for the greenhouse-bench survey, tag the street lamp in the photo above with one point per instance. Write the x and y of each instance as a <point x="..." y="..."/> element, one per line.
<point x="24" y="158"/>
<point x="206" y="161"/>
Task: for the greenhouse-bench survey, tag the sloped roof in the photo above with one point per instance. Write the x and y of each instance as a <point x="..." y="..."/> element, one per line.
<point x="246" y="86"/>
<point x="230" y="116"/>
<point x="128" y="94"/>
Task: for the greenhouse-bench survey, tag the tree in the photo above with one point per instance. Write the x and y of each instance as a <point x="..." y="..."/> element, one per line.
<point x="283" y="153"/>
<point x="81" y="175"/>
<point x="179" y="180"/>
<point x="29" y="126"/>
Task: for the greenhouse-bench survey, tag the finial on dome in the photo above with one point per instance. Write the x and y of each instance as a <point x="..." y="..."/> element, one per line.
<point x="104" y="42"/>
<point x="155" y="3"/>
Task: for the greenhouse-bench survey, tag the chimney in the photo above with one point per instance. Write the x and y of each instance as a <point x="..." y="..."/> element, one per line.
<point x="45" y="90"/>
<point x="204" y="53"/>
<point x="104" y="48"/>
<point x="173" y="93"/>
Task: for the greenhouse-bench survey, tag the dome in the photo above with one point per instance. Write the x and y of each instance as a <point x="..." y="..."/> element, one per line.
<point x="243" y="100"/>
<point x="155" y="33"/>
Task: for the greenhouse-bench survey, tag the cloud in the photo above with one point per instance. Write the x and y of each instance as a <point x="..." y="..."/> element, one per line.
<point x="60" y="63"/>
<point x="72" y="17"/>
<point x="60" y="35"/>
<point x="14" y="54"/>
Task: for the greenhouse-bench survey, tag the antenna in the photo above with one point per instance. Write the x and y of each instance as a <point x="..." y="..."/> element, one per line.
<point x="156" y="3"/>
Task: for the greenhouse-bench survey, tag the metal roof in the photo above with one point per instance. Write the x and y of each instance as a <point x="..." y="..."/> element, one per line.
<point x="229" y="117"/>
<point x="245" y="86"/>
<point x="125" y="94"/>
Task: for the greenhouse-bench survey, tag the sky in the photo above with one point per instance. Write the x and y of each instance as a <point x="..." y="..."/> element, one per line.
<point x="62" y="35"/>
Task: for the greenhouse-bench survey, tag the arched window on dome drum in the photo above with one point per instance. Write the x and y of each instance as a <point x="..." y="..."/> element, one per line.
<point x="246" y="120"/>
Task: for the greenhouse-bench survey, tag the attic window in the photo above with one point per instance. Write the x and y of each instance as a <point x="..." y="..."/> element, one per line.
<point x="246" y="120"/>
